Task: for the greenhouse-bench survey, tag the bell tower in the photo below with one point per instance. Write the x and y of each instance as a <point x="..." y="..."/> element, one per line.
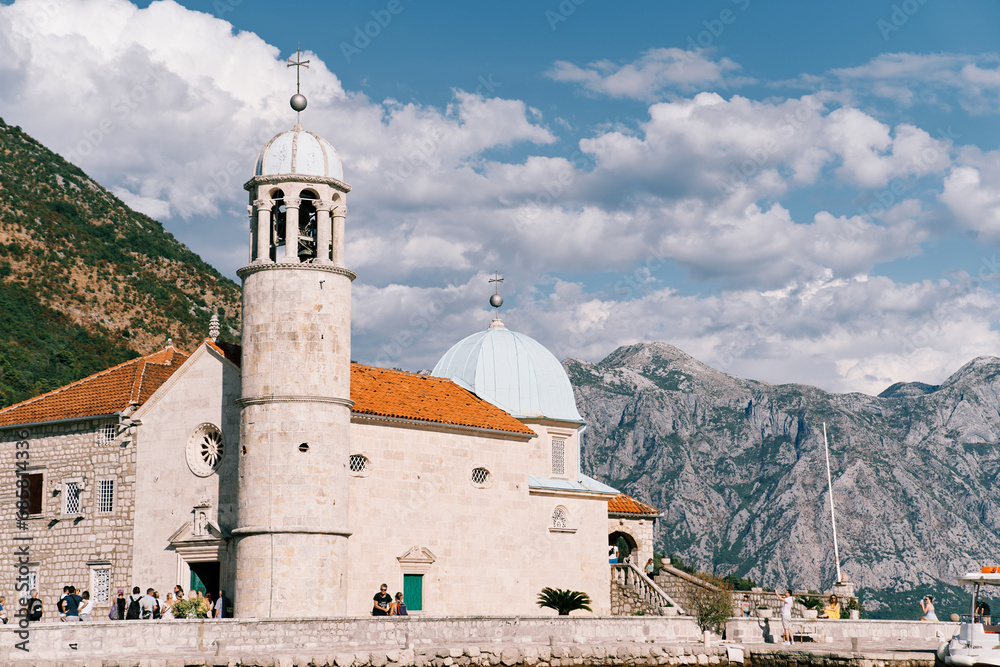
<point x="295" y="406"/>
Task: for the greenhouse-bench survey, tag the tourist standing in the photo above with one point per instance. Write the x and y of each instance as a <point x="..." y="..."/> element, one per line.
<point x="87" y="608"/>
<point x="71" y="604"/>
<point x="787" y="600"/>
<point x="745" y="606"/>
<point x="34" y="607"/>
<point x="3" y="609"/>
<point x="649" y="568"/>
<point x="133" y="610"/>
<point x="927" y="606"/>
<point x="120" y="605"/>
<point x="147" y="604"/>
<point x="399" y="607"/>
<point x="61" y="605"/>
<point x="222" y="605"/>
<point x="382" y="601"/>
<point x="167" y="609"/>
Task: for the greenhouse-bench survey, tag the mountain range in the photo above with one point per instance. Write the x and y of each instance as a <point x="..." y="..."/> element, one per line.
<point x="737" y="468"/>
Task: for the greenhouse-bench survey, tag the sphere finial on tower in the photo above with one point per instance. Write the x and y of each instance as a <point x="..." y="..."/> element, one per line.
<point x="298" y="101"/>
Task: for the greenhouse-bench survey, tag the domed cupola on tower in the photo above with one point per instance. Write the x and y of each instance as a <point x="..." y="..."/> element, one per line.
<point x="300" y="152"/>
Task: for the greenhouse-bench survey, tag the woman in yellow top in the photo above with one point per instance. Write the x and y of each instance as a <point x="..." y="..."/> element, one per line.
<point x="832" y="610"/>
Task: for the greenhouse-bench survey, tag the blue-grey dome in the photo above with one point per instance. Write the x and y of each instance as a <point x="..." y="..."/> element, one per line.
<point x="513" y="372"/>
<point x="300" y="152"/>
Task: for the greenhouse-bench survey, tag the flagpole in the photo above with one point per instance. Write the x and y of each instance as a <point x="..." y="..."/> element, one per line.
<point x="833" y="517"/>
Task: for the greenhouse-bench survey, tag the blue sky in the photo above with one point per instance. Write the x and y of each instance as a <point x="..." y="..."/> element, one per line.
<point x="795" y="192"/>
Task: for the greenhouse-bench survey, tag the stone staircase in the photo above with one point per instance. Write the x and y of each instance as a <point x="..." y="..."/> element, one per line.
<point x="632" y="593"/>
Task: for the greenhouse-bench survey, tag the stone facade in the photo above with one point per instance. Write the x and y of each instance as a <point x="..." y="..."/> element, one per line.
<point x="481" y="548"/>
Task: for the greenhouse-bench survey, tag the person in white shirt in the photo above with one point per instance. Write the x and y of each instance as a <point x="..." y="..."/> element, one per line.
<point x="87" y="607"/>
<point x="787" y="600"/>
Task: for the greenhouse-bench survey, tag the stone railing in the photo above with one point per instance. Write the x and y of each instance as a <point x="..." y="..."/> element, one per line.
<point x="629" y="576"/>
<point x="768" y="630"/>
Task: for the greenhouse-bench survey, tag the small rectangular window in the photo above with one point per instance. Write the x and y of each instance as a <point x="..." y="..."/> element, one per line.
<point x="100" y="584"/>
<point x="32" y="578"/>
<point x="31" y="491"/>
<point x="558" y="457"/>
<point x="105" y="495"/>
<point x="106" y="433"/>
<point x="72" y="502"/>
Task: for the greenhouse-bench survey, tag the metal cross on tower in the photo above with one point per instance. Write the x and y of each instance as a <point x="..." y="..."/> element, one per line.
<point x="298" y="100"/>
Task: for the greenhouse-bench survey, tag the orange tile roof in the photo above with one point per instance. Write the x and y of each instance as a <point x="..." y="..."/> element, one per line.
<point x="102" y="393"/>
<point x="375" y="391"/>
<point x="622" y="504"/>
<point x="388" y="393"/>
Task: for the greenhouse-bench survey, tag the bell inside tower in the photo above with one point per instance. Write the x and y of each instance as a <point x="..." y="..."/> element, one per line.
<point x="307" y="226"/>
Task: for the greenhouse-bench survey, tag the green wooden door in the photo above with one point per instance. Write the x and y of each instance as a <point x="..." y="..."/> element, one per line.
<point x="413" y="591"/>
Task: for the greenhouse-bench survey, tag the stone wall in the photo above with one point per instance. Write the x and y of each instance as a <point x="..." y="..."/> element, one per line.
<point x="625" y="601"/>
<point x="353" y="641"/>
<point x="679" y="585"/>
<point x="64" y="548"/>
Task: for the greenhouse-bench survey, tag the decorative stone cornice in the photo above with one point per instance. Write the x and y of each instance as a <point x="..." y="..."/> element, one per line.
<point x="295" y="178"/>
<point x="275" y="266"/>
<point x="272" y="398"/>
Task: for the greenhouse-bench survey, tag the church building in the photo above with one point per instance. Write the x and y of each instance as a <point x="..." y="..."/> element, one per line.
<point x="296" y="480"/>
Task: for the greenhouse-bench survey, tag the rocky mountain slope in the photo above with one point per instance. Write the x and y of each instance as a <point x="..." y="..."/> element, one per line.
<point x="737" y="468"/>
<point x="85" y="282"/>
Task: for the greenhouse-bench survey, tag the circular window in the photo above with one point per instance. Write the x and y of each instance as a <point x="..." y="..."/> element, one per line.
<point x="359" y="465"/>
<point x="205" y="450"/>
<point x="481" y="478"/>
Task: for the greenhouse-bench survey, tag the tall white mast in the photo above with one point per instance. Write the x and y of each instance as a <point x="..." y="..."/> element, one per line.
<point x="833" y="517"/>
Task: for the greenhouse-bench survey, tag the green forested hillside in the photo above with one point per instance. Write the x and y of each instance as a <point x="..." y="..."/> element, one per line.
<point x="85" y="282"/>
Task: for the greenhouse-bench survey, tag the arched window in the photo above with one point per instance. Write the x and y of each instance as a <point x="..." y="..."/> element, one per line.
<point x="307" y="226"/>
<point x="560" y="519"/>
<point x="277" y="222"/>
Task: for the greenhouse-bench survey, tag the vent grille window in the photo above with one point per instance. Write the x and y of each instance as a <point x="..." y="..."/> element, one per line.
<point x="100" y="584"/>
<point x="106" y="434"/>
<point x="559" y="518"/>
<point x="359" y="463"/>
<point x="480" y="477"/>
<point x="558" y="457"/>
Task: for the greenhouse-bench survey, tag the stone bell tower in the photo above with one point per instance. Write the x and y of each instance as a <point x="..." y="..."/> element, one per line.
<point x="292" y="530"/>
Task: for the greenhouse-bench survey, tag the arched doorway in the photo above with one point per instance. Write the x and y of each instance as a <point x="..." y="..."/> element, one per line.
<point x="625" y="543"/>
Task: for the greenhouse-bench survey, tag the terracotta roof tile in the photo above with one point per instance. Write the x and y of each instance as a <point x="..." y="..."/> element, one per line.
<point x="102" y="393"/>
<point x="388" y="393"/>
<point x="375" y="391"/>
<point x="622" y="504"/>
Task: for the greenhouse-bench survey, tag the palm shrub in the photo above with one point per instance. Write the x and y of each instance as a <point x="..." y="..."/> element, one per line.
<point x="563" y="601"/>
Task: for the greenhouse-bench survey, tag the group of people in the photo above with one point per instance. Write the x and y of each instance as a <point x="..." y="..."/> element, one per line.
<point x="149" y="606"/>
<point x="385" y="605"/>
<point x="74" y="607"/>
<point x="831" y="610"/>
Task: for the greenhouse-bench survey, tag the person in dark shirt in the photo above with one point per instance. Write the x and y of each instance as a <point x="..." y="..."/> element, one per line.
<point x="34" y="607"/>
<point x="71" y="603"/>
<point x="382" y="601"/>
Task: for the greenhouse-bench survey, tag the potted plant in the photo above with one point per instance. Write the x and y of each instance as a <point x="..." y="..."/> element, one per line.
<point x="669" y="610"/>
<point x="853" y="608"/>
<point x="763" y="611"/>
<point x="812" y="606"/>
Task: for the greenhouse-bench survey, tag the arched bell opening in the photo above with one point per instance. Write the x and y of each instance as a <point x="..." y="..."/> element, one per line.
<point x="307" y="226"/>
<point x="278" y="212"/>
